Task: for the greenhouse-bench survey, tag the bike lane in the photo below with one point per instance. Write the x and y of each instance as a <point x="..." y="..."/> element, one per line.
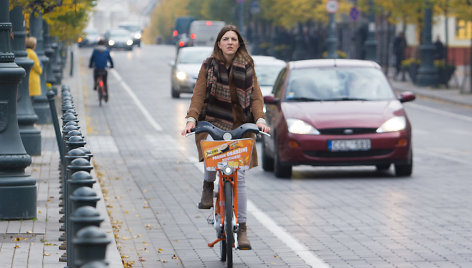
<point x="152" y="183"/>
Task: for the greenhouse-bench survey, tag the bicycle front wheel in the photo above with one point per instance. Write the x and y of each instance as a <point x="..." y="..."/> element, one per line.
<point x="229" y="223"/>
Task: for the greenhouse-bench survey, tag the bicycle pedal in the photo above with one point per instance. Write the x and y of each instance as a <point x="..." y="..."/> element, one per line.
<point x="210" y="221"/>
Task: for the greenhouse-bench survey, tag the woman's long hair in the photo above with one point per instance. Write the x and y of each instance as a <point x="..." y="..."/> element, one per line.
<point x="242" y="51"/>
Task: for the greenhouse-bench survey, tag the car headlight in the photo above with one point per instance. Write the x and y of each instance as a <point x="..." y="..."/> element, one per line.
<point x="181" y="75"/>
<point x="396" y="123"/>
<point x="111" y="42"/>
<point x="129" y="42"/>
<point x="297" y="126"/>
<point x="137" y="36"/>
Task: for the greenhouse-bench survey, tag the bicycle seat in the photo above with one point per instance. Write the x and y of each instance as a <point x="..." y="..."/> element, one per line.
<point x="219" y="134"/>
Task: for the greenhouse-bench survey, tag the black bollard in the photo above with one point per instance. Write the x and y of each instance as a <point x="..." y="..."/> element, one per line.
<point x="90" y="245"/>
<point x="82" y="217"/>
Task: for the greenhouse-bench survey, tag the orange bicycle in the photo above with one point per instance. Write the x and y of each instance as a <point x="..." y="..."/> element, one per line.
<point x="227" y="154"/>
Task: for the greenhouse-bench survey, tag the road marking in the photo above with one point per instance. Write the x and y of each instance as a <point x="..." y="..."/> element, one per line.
<point x="432" y="110"/>
<point x="296" y="246"/>
<point x="145" y="112"/>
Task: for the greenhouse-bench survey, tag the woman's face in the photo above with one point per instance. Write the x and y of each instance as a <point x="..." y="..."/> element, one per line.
<point x="229" y="43"/>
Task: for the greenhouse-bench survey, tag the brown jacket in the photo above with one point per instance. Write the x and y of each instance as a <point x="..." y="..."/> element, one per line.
<point x="196" y="105"/>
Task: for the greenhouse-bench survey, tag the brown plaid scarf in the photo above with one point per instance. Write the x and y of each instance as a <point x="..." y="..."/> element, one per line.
<point x="223" y="93"/>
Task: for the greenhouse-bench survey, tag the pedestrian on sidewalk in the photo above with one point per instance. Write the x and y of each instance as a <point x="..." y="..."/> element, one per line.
<point x="36" y="70"/>
<point x="227" y="95"/>
<point x="438" y="49"/>
<point x="399" y="50"/>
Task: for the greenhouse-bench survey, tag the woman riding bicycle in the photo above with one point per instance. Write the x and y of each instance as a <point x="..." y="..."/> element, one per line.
<point x="99" y="59"/>
<point x="227" y="95"/>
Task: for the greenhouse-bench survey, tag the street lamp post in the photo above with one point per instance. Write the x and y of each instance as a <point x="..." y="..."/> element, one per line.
<point x="332" y="40"/>
<point x="40" y="102"/>
<point x="17" y="190"/>
<point x="371" y="43"/>
<point x="427" y="73"/>
<point x="30" y="136"/>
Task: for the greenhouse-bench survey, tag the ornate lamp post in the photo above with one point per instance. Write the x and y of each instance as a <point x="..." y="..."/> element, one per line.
<point x="17" y="190"/>
<point x="427" y="73"/>
<point x="40" y="103"/>
<point x="371" y="43"/>
<point x="30" y="136"/>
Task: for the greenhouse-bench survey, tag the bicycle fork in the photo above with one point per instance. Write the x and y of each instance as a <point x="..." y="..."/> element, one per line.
<point x="219" y="207"/>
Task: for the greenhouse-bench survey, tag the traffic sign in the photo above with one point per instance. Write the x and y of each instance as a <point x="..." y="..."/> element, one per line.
<point x="354" y="13"/>
<point x="332" y="6"/>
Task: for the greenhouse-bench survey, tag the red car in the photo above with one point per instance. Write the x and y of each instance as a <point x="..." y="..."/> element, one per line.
<point x="336" y="112"/>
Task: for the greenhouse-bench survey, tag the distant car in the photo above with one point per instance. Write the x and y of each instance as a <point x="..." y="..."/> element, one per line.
<point x="336" y="112"/>
<point x="185" y="69"/>
<point x="119" y="38"/>
<point x="181" y="27"/>
<point x="267" y="68"/>
<point x="204" y="32"/>
<point x="135" y="29"/>
<point x="90" y="38"/>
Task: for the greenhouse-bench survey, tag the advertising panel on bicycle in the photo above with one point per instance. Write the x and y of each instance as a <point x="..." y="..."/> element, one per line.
<point x="237" y="153"/>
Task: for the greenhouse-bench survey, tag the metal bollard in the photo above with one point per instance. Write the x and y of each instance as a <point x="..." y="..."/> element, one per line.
<point x="75" y="142"/>
<point x="84" y="196"/>
<point x="69" y="117"/>
<point x="90" y="245"/>
<point x="82" y="217"/>
<point x="81" y="197"/>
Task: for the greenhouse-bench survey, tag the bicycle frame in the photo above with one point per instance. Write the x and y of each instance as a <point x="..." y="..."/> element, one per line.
<point x="219" y="207"/>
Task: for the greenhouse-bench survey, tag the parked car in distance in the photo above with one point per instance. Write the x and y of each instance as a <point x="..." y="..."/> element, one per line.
<point x="267" y="68"/>
<point x="185" y="69"/>
<point x="119" y="38"/>
<point x="135" y="29"/>
<point x="335" y="112"/>
<point x="204" y="32"/>
<point x="90" y="38"/>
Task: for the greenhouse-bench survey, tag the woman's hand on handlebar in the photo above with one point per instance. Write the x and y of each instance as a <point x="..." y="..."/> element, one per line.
<point x="188" y="128"/>
<point x="263" y="127"/>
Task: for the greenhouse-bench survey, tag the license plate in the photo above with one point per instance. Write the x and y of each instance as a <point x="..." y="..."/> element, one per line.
<point x="349" y="145"/>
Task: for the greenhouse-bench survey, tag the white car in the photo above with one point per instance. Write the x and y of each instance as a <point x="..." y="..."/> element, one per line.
<point x="267" y="69"/>
<point x="185" y="69"/>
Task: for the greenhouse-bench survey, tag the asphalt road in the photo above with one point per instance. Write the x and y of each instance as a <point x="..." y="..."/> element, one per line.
<point x="322" y="217"/>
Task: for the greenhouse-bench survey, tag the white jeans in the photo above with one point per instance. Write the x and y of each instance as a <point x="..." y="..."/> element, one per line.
<point x="210" y="176"/>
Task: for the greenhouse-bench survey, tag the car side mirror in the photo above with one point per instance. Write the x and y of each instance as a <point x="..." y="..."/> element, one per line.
<point x="271" y="100"/>
<point x="407" y="96"/>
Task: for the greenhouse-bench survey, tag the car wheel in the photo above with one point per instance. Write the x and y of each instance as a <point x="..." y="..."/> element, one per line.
<point x="404" y="170"/>
<point x="281" y="170"/>
<point x="175" y="93"/>
<point x="267" y="161"/>
<point x="383" y="167"/>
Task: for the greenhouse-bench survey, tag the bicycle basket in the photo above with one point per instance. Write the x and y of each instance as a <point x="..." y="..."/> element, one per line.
<point x="237" y="153"/>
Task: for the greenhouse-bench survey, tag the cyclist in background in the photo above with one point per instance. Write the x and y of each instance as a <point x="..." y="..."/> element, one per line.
<point x="99" y="59"/>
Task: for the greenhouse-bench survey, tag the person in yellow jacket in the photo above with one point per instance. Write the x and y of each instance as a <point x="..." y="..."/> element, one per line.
<point x="35" y="73"/>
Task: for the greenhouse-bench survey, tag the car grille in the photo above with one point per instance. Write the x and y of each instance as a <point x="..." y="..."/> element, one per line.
<point x="346" y="131"/>
<point x="327" y="154"/>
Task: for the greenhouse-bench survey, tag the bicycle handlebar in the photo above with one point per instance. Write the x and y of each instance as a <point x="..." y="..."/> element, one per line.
<point x="219" y="134"/>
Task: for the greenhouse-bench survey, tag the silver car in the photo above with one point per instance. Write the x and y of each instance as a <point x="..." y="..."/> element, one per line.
<point x="267" y="69"/>
<point x="185" y="69"/>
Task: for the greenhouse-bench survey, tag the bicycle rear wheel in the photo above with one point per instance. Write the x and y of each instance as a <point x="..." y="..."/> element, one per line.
<point x="229" y="223"/>
<point x="100" y="94"/>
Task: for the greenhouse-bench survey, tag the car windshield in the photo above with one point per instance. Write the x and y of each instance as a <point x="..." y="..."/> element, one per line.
<point x="191" y="56"/>
<point x="131" y="28"/>
<point x="266" y="74"/>
<point x="119" y="34"/>
<point x="338" y="84"/>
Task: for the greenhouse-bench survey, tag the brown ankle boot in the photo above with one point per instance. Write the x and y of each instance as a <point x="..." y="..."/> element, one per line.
<point x="243" y="242"/>
<point x="207" y="196"/>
